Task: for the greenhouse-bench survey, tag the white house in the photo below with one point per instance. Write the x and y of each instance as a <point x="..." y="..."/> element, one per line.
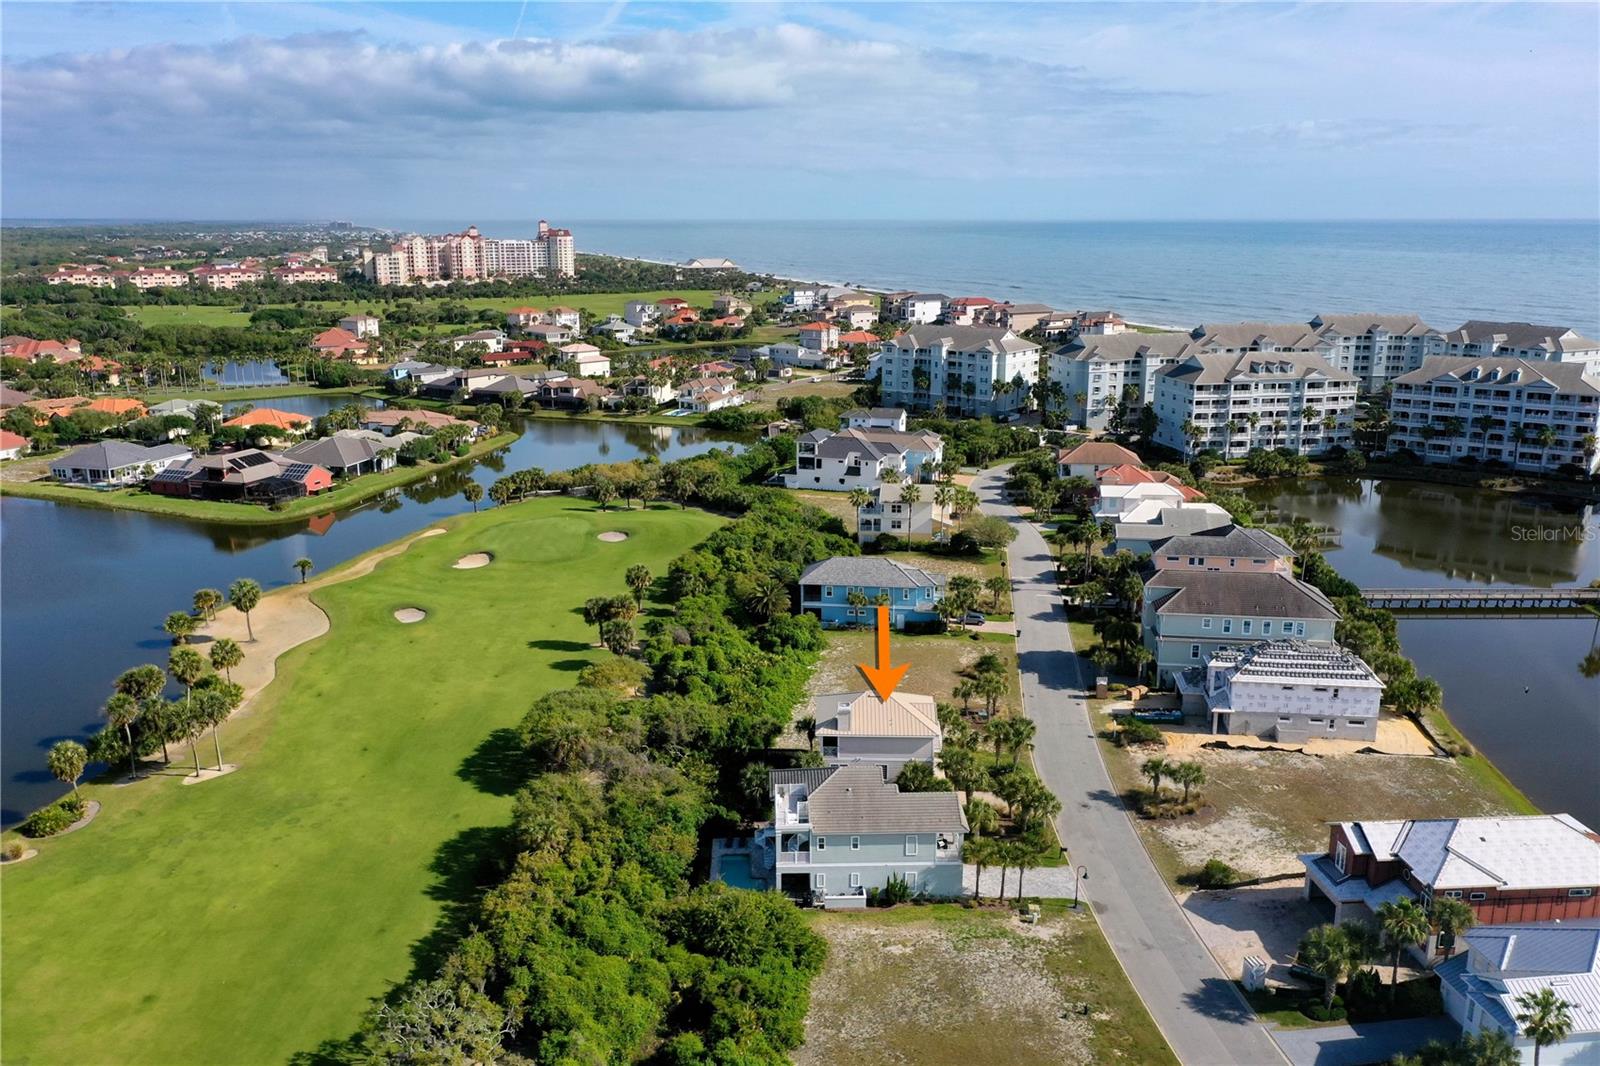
<point x="590" y="361"/>
<point x="859" y="458"/>
<point x="1481" y="987"/>
<point x="640" y="313"/>
<point x="362" y="326"/>
<point x="889" y="418"/>
<point x="915" y="308"/>
<point x="657" y="393"/>
<point x="116" y="462"/>
<point x="1286" y="690"/>
<point x="570" y="317"/>
<point x="890" y="513"/>
<point x="800" y="299"/>
<point x="493" y="340"/>
<point x="856" y="316"/>
<point x="1118" y="502"/>
<point x="703" y="395"/>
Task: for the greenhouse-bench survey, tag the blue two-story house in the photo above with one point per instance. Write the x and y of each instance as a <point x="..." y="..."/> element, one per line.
<point x="912" y="595"/>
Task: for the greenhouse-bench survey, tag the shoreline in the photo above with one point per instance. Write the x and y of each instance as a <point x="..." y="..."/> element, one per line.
<point x="241" y="514"/>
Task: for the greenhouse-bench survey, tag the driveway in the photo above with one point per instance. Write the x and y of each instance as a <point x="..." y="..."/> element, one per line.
<point x="1363" y="1044"/>
<point x="1266" y="921"/>
<point x="1193" y="1003"/>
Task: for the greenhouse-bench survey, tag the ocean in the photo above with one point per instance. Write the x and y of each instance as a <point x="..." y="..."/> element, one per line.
<point x="1166" y="273"/>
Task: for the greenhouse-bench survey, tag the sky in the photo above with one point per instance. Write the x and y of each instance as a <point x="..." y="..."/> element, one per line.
<point x="379" y="112"/>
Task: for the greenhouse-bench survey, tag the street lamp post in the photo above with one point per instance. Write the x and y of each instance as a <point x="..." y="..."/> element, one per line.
<point x="1080" y="874"/>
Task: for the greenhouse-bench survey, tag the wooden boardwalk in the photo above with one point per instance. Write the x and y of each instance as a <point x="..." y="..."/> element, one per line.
<point x="1500" y="597"/>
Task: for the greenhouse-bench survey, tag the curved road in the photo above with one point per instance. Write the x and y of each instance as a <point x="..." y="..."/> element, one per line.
<point x="1195" y="1006"/>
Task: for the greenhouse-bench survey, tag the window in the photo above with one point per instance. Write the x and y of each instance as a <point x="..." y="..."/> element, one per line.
<point x="1194" y="651"/>
<point x="827" y="590"/>
<point x="855" y="880"/>
<point x="1580" y="893"/>
<point x="819" y="880"/>
<point x="1266" y="628"/>
<point x="1205" y="623"/>
<point x="1341" y="855"/>
<point x="1477" y="896"/>
<point x="822" y="843"/>
<point x="1299" y="629"/>
<point x="911" y="844"/>
<point x="1227" y="625"/>
<point x="905" y="594"/>
<point x="1246" y="627"/>
<point x="855" y="843"/>
<point x="1454" y="893"/>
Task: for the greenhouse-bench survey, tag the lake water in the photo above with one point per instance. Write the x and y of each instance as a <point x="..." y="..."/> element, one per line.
<point x="1512" y="685"/>
<point x="1175" y="273"/>
<point x="86" y="589"/>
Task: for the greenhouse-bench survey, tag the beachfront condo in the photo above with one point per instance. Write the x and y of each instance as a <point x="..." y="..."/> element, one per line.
<point x="1233" y="404"/>
<point x="971" y="370"/>
<point x="1539" y="416"/>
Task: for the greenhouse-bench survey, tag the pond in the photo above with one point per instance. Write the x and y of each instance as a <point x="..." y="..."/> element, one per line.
<point x="1512" y="685"/>
<point x="86" y="589"/>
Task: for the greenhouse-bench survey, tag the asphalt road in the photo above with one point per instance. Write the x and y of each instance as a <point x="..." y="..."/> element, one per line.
<point x="1195" y="1006"/>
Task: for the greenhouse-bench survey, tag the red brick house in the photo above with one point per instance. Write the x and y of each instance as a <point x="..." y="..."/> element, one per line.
<point x="1534" y="868"/>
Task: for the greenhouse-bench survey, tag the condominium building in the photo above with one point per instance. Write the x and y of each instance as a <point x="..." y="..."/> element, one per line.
<point x="88" y="276"/>
<point x="301" y="275"/>
<point x="561" y="255"/>
<point x="1523" y="340"/>
<point x="1094" y="371"/>
<point x="1235" y="403"/>
<point x="970" y="370"/>
<point x="156" y="278"/>
<point x="1375" y="348"/>
<point x="227" y="276"/>
<point x="1529" y="415"/>
<point x="470" y="255"/>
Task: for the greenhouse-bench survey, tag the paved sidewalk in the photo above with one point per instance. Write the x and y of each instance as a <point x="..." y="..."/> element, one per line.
<point x="1046" y="882"/>
<point x="1195" y="1006"/>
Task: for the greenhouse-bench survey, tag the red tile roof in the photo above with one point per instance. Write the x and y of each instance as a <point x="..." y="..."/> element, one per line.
<point x="270" y="416"/>
<point x="9" y="440"/>
<point x="858" y="336"/>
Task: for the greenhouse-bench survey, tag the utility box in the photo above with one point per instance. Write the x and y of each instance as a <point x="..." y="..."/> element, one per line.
<point x="1102" y="687"/>
<point x="1255" y="973"/>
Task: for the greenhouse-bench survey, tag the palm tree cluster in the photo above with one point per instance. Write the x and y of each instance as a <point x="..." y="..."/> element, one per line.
<point x="612" y="616"/>
<point x="1187" y="775"/>
<point x="987" y="680"/>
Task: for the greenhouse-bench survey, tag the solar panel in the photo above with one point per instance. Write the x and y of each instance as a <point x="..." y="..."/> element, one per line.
<point x="250" y="459"/>
<point x="297" y="471"/>
<point x="172" y="475"/>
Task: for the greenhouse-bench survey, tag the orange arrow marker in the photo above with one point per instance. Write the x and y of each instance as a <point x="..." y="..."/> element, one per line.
<point x="883" y="678"/>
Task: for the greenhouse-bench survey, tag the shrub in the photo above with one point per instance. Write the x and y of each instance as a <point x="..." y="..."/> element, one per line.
<point x="1313" y="1009"/>
<point x="895" y="891"/>
<point x="1134" y="731"/>
<point x="15" y="849"/>
<point x="48" y="821"/>
<point x="1216" y="874"/>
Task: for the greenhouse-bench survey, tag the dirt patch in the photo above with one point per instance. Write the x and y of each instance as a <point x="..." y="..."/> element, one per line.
<point x="210" y="773"/>
<point x="1266" y="921"/>
<point x="1396" y="736"/>
<point x="612" y="536"/>
<point x="940" y="992"/>
<point x="6" y="860"/>
<point x="473" y="561"/>
<point x="409" y="615"/>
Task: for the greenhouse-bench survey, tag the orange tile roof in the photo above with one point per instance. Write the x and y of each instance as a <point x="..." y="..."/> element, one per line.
<point x="270" y="416"/>
<point x="9" y="440"/>
<point x="858" y="336"/>
<point x="113" y="405"/>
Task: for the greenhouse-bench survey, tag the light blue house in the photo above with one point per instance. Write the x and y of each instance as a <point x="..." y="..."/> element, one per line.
<point x="912" y="595"/>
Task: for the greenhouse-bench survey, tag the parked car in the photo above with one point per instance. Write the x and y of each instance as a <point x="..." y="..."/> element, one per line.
<point x="973" y="618"/>
<point x="1157" y="715"/>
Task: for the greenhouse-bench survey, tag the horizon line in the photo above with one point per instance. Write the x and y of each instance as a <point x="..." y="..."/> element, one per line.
<point x="944" y="220"/>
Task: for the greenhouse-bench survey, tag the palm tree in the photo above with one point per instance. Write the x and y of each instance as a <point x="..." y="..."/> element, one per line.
<point x="186" y="667"/>
<point x="1331" y="951"/>
<point x="472" y="492"/>
<point x="1015" y="733"/>
<point x="961" y="768"/>
<point x="180" y="625"/>
<point x="943" y="496"/>
<point x="768" y="600"/>
<point x="305" y="567"/>
<point x="858" y="498"/>
<point x="225" y="655"/>
<point x="1401" y="922"/>
<point x="206" y="602"/>
<point x="1545" y="1018"/>
<point x="1189" y="775"/>
<point x="911" y="495"/>
<point x="121" y="711"/>
<point x="66" y="761"/>
<point x="981" y="852"/>
<point x="981" y="817"/>
<point x="1452" y="918"/>
<point x="1155" y="769"/>
<point x="211" y="708"/>
<point x="143" y="684"/>
<point x="245" y="595"/>
<point x="638" y="578"/>
<point x="996" y="587"/>
<point x="808" y="726"/>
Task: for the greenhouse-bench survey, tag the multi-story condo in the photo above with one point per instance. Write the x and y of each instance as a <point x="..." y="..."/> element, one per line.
<point x="156" y="278"/>
<point x="226" y="277"/>
<point x="971" y="370"/>
<point x="1529" y="868"/>
<point x="90" y="277"/>
<point x="461" y="255"/>
<point x="1095" y="371"/>
<point x="469" y="255"/>
<point x="859" y="458"/>
<point x="560" y="255"/>
<point x="1529" y="415"/>
<point x="915" y="308"/>
<point x="845" y="590"/>
<point x="1524" y="340"/>
<point x="1235" y="403"/>
<point x="1290" y="691"/>
<point x="302" y="275"/>
<point x="511" y="256"/>
<point x="1483" y="985"/>
<point x="1375" y="348"/>
<point x="838" y="831"/>
<point x="1190" y="614"/>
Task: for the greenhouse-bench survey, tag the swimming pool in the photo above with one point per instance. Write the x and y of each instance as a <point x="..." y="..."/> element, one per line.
<point x="734" y="870"/>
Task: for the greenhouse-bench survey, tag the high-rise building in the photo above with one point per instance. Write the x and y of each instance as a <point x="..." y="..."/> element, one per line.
<point x="470" y="255"/>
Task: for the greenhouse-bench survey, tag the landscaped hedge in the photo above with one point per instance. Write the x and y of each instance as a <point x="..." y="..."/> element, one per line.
<point x="48" y="821"/>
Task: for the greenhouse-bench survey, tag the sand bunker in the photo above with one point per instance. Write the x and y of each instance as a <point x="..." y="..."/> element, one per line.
<point x="612" y="536"/>
<point x="473" y="561"/>
<point x="210" y="773"/>
<point x="407" y="615"/>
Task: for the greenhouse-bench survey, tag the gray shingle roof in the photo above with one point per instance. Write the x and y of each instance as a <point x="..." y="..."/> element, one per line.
<point x="1269" y="595"/>
<point x="868" y="571"/>
<point x="1361" y="324"/>
<point x="964" y="338"/>
<point x="856" y="799"/>
<point x="1216" y="368"/>
<point x="116" y="454"/>
<point x="1229" y="541"/>
<point x="1237" y="335"/>
<point x="1521" y="335"/>
<point x="1502" y="372"/>
<point x="1125" y="347"/>
<point x="335" y="453"/>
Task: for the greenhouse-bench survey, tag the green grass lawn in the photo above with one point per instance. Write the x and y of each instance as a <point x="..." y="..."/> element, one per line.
<point x="256" y="916"/>
<point x="189" y="315"/>
<point x="343" y="494"/>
